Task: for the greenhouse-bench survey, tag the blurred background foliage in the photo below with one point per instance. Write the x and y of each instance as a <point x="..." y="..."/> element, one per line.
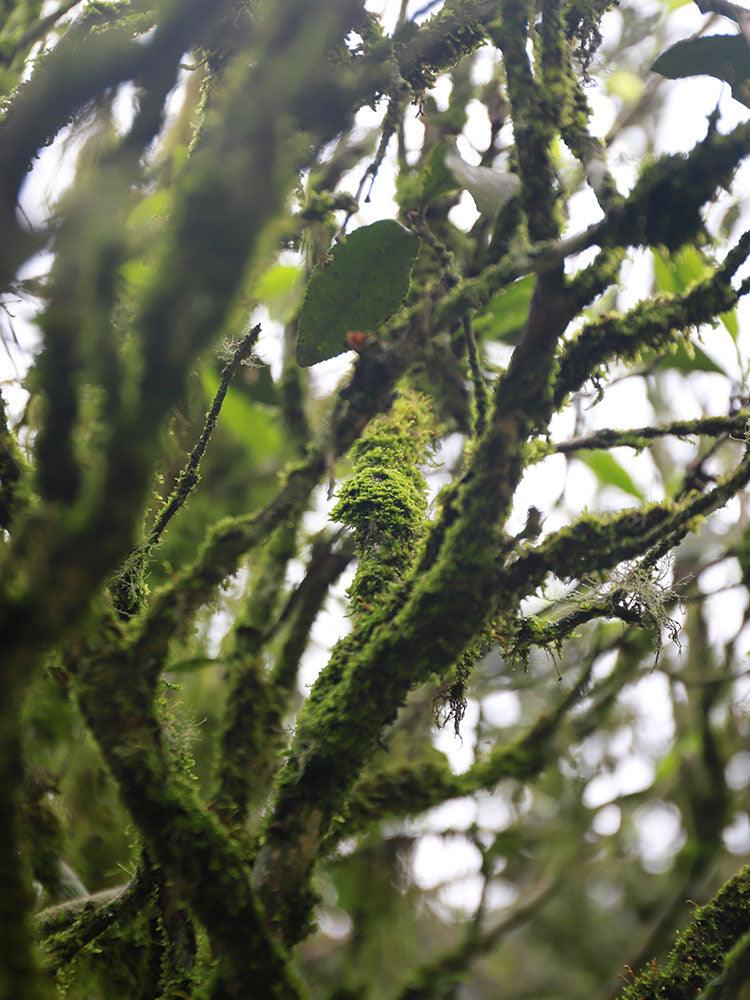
<point x="553" y="887"/>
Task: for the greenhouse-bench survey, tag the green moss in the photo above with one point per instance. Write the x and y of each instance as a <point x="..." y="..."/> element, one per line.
<point x="251" y="701"/>
<point x="534" y="129"/>
<point x="457" y="30"/>
<point x="19" y="973"/>
<point x="664" y="207"/>
<point x="198" y="855"/>
<point x="15" y="494"/>
<point x="734" y="982"/>
<point x="743" y="556"/>
<point x="701" y="950"/>
<point x="582" y="20"/>
<point x="384" y="500"/>
<point x="653" y="325"/>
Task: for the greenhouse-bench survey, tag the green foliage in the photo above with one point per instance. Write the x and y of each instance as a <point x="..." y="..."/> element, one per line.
<point x="280" y="289"/>
<point x="726" y="57"/>
<point x="253" y="424"/>
<point x="362" y="284"/>
<point x="609" y="472"/>
<point x="677" y="273"/>
<point x="505" y="315"/>
<point x="437" y="179"/>
<point x="166" y="467"/>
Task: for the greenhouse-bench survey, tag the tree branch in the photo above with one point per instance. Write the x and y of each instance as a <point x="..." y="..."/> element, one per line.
<point x="36" y="32"/>
<point x="640" y="437"/>
<point x="450" y="969"/>
<point x="700" y="952"/>
<point x="89" y="920"/>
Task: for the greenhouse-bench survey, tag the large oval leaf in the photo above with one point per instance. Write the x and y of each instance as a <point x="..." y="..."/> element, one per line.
<point x="677" y="272"/>
<point x="609" y="472"/>
<point x="726" y="57"/>
<point x="364" y="283"/>
<point x="690" y="358"/>
<point x="505" y="315"/>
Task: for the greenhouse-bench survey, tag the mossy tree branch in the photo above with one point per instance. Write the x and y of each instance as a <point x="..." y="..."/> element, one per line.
<point x="641" y="437"/>
<point x="426" y="596"/>
<point x="716" y="935"/>
<point x="198" y="857"/>
<point x="170" y="330"/>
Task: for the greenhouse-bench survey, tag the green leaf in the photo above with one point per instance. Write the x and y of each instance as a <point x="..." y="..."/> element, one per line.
<point x="686" y="359"/>
<point x="731" y="323"/>
<point x="726" y="57"/>
<point x="609" y="472"/>
<point x="677" y="272"/>
<point x="280" y="290"/>
<point x="364" y="282"/>
<point x="155" y="206"/>
<point x="257" y="381"/>
<point x="137" y="273"/>
<point x="437" y="178"/>
<point x="504" y="316"/>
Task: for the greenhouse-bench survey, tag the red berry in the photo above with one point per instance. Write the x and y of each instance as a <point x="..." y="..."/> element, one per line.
<point x="356" y="339"/>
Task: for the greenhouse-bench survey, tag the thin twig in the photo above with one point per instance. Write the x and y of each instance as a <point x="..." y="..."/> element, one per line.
<point x="428" y="8"/>
<point x="638" y="436"/>
<point x="450" y="968"/>
<point x="481" y="395"/>
<point x="188" y="478"/>
<point x="56" y="918"/>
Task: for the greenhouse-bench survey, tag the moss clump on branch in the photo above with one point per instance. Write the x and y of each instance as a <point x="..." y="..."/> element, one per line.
<point x="653" y="325"/>
<point x="384" y="500"/>
<point x="664" y="206"/>
<point x="700" y="952"/>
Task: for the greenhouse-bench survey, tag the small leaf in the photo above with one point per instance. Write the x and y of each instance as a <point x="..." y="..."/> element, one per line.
<point x="504" y="316"/>
<point x="364" y="283"/>
<point x="490" y="188"/>
<point x="137" y="273"/>
<point x="690" y="359"/>
<point x="726" y="57"/>
<point x="154" y="207"/>
<point x="677" y="272"/>
<point x="609" y="472"/>
<point x="731" y="323"/>
<point x="730" y="218"/>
